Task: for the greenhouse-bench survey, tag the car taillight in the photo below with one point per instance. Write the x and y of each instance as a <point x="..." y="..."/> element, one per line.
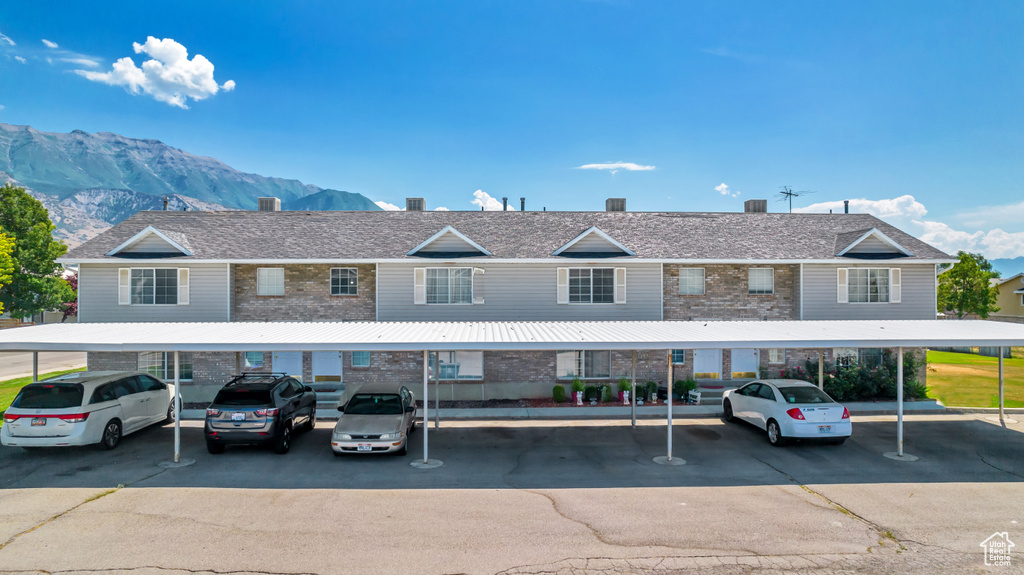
<point x="74" y="417"/>
<point x="846" y="413"/>
<point x="9" y="417"/>
<point x="210" y="412"/>
<point x="268" y="412"/>
<point x="795" y="413"/>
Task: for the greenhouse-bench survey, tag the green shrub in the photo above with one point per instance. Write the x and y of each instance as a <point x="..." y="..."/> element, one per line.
<point x="862" y="383"/>
<point x="651" y="388"/>
<point x="624" y="385"/>
<point x="589" y="393"/>
<point x="577" y="384"/>
<point x="606" y="394"/>
<point x="558" y="393"/>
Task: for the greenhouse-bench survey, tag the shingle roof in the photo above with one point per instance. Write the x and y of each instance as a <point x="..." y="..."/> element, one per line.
<point x="366" y="235"/>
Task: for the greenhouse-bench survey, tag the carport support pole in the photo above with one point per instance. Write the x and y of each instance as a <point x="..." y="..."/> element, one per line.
<point x="35" y="368"/>
<point x="821" y="370"/>
<point x="632" y="396"/>
<point x="437" y="390"/>
<point x="668" y="402"/>
<point x="177" y="410"/>
<point x="426" y="402"/>
<point x="1000" y="384"/>
<point x="899" y="401"/>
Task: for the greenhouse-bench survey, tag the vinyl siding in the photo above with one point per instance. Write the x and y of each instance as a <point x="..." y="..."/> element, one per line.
<point x="208" y="294"/>
<point x="449" y="242"/>
<point x="918" y="294"/>
<point x="152" y="244"/>
<point x="873" y="245"/>
<point x="518" y="293"/>
<point x="593" y="243"/>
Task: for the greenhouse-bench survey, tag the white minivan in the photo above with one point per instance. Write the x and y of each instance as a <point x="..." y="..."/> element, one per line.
<point x="84" y="408"/>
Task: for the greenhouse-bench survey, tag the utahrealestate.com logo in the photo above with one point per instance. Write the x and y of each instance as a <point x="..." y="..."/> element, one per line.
<point x="997" y="549"/>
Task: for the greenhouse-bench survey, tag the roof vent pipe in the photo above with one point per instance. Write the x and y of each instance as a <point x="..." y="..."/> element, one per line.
<point x="522" y="204"/>
<point x="165" y="203"/>
<point x="504" y="204"/>
<point x="415" y="205"/>
<point x="846" y="206"/>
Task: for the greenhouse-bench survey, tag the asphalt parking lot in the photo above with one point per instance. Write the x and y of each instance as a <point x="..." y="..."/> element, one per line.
<point x="524" y="497"/>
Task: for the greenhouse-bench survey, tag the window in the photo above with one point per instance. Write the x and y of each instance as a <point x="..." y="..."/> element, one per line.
<point x="360" y="359"/>
<point x="691" y="281"/>
<point x="845" y="356"/>
<point x="457" y="365"/>
<point x="591" y="285"/>
<point x="870" y="357"/>
<point x="270" y="281"/>
<point x="868" y="285"/>
<point x="160" y="364"/>
<point x="253" y="359"/>
<point x="583" y="364"/>
<point x="678" y="356"/>
<point x="450" y="285"/>
<point x="344" y="281"/>
<point x="761" y="281"/>
<point x="154" y="286"/>
<point x="776" y="355"/>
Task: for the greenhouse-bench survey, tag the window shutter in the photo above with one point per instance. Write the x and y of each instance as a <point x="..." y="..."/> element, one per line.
<point x="620" y="285"/>
<point x="124" y="286"/>
<point x="182" y="286"/>
<point x="895" y="291"/>
<point x="420" y="286"/>
<point x="563" y="285"/>
<point x="842" y="287"/>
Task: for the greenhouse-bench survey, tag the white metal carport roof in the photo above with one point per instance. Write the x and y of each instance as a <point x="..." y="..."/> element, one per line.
<point x="500" y="335"/>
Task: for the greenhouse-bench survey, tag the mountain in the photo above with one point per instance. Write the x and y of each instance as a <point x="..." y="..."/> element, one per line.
<point x="1009" y="266"/>
<point x="90" y="182"/>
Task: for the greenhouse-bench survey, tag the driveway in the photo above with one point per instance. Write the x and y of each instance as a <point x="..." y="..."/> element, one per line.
<point x="524" y="497"/>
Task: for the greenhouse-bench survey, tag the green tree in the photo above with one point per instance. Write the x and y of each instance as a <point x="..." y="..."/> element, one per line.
<point x="965" y="288"/>
<point x="6" y="262"/>
<point x="36" y="284"/>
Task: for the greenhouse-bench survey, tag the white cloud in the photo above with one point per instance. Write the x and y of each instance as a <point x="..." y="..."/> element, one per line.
<point x="80" y="61"/>
<point x="168" y="77"/>
<point x="902" y="207"/>
<point x="6" y="40"/>
<point x="993" y="243"/>
<point x="723" y="189"/>
<point x="388" y="207"/>
<point x="2" y="107"/>
<point x="616" y="166"/>
<point x="990" y="216"/>
<point x="489" y="204"/>
<point x="442" y="209"/>
<point x="20" y="59"/>
<point x="50" y="44"/>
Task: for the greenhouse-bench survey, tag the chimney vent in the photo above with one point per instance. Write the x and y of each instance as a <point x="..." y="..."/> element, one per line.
<point x="615" y="205"/>
<point x="415" y="205"/>
<point x="846" y="206"/>
<point x="165" y="203"/>
<point x="504" y="204"/>
<point x="755" y="206"/>
<point x="268" y="204"/>
<point x="522" y="204"/>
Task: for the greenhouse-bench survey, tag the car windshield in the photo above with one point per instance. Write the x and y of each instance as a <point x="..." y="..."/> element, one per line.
<point x="804" y="394"/>
<point x="374" y="404"/>
<point x="49" y="396"/>
<point x="242" y="397"/>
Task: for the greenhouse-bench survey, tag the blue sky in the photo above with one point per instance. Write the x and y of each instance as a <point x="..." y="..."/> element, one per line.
<point x="913" y="110"/>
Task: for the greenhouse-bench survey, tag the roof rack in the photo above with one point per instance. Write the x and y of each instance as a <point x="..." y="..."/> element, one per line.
<point x="273" y="376"/>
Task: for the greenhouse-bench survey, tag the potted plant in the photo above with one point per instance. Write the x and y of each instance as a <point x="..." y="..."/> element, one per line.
<point x="558" y="393"/>
<point x="624" y="391"/>
<point x="577" y="390"/>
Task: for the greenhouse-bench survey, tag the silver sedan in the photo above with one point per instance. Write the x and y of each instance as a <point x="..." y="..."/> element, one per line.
<point x="378" y="418"/>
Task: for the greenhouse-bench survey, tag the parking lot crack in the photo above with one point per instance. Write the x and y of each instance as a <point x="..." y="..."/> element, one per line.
<point x="172" y="569"/>
<point x="996" y="467"/>
<point x="59" y="515"/>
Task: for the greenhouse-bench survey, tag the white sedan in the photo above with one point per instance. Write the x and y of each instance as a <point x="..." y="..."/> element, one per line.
<point x="85" y="407"/>
<point x="788" y="408"/>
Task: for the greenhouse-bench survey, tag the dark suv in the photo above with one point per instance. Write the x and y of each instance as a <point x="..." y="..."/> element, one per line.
<point x="259" y="408"/>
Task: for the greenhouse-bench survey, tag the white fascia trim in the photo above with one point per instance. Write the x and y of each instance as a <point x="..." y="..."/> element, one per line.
<point x="878" y="234"/>
<point x="149" y="230"/>
<point x="444" y="231"/>
<point x="845" y="262"/>
<point x="601" y="234"/>
<point x="1013" y="277"/>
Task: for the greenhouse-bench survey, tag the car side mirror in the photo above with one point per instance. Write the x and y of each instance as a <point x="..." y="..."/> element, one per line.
<point x="307" y="388"/>
<point x="410" y="409"/>
<point x="341" y="408"/>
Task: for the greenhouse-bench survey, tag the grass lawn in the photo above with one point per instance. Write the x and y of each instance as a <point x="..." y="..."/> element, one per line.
<point x="9" y="389"/>
<point x="967" y="380"/>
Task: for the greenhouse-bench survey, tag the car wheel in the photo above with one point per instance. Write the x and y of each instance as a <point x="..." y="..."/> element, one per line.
<point x="214" y="448"/>
<point x="727" y="411"/>
<point x="312" y="420"/>
<point x="838" y="441"/>
<point x="404" y="450"/>
<point x="284" y="441"/>
<point x="337" y="453"/>
<point x="775" y="434"/>
<point x="111" y="435"/>
<point x="170" y="413"/>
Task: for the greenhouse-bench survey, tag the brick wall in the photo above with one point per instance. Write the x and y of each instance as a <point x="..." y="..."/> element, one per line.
<point x="307" y="295"/>
<point x="725" y="295"/>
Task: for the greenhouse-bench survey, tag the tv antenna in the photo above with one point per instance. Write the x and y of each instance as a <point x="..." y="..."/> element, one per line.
<point x="787" y="194"/>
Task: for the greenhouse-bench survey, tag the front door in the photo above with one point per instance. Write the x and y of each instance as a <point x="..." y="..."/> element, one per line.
<point x="289" y="362"/>
<point x="327" y="367"/>
<point x="707" y="364"/>
<point x="744" y="363"/>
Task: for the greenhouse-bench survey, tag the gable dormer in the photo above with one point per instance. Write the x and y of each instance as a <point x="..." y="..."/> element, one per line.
<point x="593" y="242"/>
<point x="869" y="244"/>
<point x="448" y="242"/>
<point x="152" y="241"/>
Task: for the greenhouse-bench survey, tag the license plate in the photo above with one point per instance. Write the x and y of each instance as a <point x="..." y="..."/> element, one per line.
<point x="364" y="447"/>
<point x="237" y="417"/>
<point x="824" y="429"/>
<point x="38" y="421"/>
